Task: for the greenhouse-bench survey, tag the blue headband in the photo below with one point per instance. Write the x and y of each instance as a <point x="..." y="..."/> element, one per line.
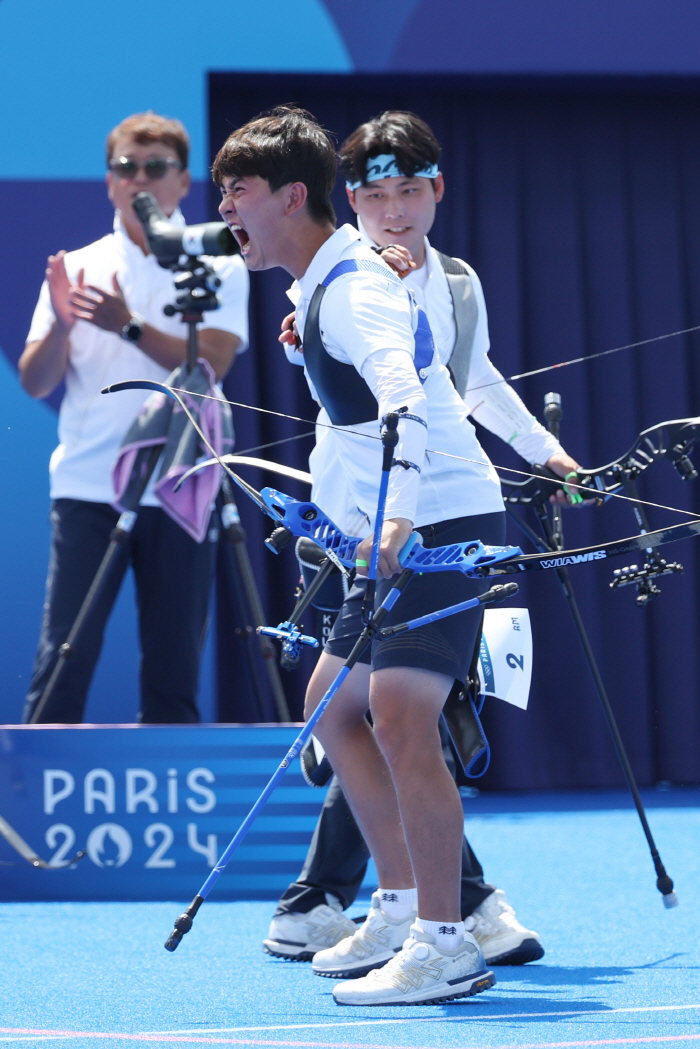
<point x="385" y="166"/>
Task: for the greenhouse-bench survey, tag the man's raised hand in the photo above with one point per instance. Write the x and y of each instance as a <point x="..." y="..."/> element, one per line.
<point x="399" y="258"/>
<point x="290" y="335"/>
<point x="106" y="310"/>
<point x="60" y="289"/>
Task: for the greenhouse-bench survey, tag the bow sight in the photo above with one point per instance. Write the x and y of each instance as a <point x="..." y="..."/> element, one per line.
<point x="672" y="440"/>
<point x="643" y="578"/>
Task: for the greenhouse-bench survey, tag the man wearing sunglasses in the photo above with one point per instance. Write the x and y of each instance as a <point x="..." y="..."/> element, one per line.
<point x="100" y="320"/>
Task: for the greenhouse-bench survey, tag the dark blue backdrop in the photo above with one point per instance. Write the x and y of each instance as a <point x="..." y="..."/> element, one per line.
<point x="578" y="202"/>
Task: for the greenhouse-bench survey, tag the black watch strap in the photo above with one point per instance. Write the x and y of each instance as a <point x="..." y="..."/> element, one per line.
<point x="133" y="329"/>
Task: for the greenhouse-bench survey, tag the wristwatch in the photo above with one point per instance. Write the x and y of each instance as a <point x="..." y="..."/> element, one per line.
<point x="133" y="329"/>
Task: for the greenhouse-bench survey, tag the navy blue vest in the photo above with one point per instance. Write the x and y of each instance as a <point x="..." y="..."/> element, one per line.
<point x="341" y="389"/>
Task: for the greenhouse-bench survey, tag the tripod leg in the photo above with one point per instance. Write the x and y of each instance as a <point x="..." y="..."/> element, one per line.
<point x="235" y="534"/>
<point x="246" y="633"/>
<point x="121" y="532"/>
<point x="119" y="535"/>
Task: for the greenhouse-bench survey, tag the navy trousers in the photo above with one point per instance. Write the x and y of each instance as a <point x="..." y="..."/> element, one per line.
<point x="173" y="577"/>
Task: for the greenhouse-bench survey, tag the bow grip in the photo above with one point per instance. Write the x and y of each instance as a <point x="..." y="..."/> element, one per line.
<point x="414" y="539"/>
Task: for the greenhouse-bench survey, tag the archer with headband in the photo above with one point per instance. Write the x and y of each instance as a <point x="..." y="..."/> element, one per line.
<point x="393" y="208"/>
<point x="393" y="181"/>
<point x="368" y="352"/>
<point x="394" y="184"/>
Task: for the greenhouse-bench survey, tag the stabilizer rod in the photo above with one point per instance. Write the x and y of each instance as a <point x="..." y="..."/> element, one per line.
<point x="120" y="534"/>
<point x="664" y="882"/>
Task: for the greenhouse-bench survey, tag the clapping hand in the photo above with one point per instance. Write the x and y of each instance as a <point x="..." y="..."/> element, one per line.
<point x="107" y="310"/>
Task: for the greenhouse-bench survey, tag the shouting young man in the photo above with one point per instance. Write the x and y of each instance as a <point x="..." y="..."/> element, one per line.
<point x="358" y="326"/>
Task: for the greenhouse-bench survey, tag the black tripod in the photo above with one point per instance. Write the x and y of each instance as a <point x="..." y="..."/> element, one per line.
<point x="246" y="596"/>
<point x="196" y="287"/>
<point x="554" y="541"/>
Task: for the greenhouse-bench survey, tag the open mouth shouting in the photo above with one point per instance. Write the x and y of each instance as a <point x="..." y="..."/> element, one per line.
<point x="242" y="237"/>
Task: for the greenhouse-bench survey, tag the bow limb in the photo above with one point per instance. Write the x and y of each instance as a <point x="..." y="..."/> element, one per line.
<point x="519" y="491"/>
<point x="247" y="460"/>
<point x="672" y="440"/>
<point x="680" y="436"/>
<point x="160" y="387"/>
<point x="561" y="558"/>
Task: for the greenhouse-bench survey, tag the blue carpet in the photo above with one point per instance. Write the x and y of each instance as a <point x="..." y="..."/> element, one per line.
<point x="619" y="968"/>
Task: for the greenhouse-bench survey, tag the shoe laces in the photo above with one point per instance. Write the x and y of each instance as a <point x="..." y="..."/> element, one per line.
<point x="414" y="954"/>
<point x="497" y="911"/>
<point x="366" y="937"/>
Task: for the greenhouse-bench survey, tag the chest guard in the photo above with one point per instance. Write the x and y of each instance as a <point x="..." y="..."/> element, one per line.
<point x="341" y="389"/>
<point x="466" y="313"/>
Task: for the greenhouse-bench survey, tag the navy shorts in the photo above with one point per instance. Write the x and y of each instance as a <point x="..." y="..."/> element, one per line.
<point x="445" y="647"/>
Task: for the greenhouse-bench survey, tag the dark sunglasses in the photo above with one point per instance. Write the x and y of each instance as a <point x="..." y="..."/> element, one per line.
<point x="156" y="168"/>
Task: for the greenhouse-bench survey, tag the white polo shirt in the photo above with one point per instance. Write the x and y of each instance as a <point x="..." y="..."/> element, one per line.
<point x="91" y="427"/>
<point x="369" y="323"/>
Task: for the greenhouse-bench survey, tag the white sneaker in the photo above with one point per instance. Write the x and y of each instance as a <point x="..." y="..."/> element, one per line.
<point x="373" y="944"/>
<point x="500" y="935"/>
<point x="297" y="937"/>
<point x="421" y="975"/>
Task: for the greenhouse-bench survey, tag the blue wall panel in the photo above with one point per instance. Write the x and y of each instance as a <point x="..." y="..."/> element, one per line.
<point x="69" y="72"/>
<point x="147" y="849"/>
<point x="542" y="37"/>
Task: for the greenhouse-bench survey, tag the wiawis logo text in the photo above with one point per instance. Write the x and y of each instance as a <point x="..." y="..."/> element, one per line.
<point x="573" y="559"/>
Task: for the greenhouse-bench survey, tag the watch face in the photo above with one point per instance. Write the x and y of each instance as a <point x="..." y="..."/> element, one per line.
<point x="132" y="331"/>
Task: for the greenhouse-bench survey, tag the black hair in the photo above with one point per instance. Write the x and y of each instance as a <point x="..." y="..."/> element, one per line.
<point x="395" y="131"/>
<point x="284" y="145"/>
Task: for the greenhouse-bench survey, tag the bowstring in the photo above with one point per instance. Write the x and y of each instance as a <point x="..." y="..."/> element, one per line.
<point x="273" y="444"/>
<point x="592" y="494"/>
<point x="580" y="360"/>
<point x="470" y="389"/>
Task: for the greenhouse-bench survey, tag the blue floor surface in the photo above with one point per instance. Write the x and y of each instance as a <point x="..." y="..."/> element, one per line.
<point x="619" y="968"/>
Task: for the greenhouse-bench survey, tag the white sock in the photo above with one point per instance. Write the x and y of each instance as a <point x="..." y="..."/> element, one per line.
<point x="398" y="903"/>
<point x="448" y="936"/>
